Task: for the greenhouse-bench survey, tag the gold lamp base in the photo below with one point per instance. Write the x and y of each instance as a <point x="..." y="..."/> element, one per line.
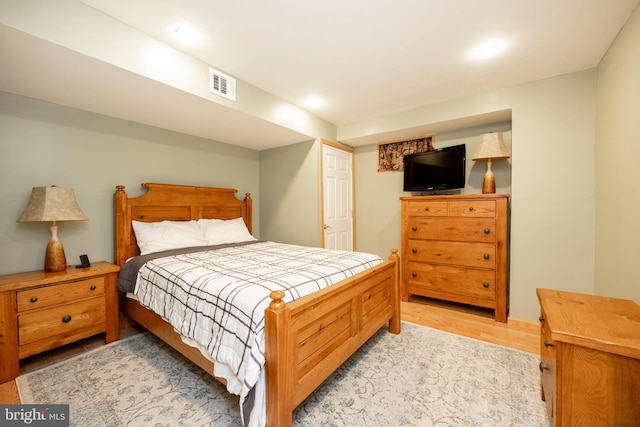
<point x="55" y="259"/>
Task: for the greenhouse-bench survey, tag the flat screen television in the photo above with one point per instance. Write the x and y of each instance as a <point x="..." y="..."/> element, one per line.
<point x="436" y="170"/>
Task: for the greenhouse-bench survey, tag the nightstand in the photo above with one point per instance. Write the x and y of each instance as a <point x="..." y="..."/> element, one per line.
<point x="40" y="311"/>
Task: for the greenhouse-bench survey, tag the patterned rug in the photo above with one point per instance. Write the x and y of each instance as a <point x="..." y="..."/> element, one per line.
<point x="422" y="377"/>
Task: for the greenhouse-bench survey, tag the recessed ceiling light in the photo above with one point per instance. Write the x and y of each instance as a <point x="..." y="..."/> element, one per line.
<point x="187" y="33"/>
<point x="487" y="50"/>
<point x="315" y="102"/>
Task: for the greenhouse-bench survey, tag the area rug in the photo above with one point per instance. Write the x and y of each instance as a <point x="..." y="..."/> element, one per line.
<point x="422" y="377"/>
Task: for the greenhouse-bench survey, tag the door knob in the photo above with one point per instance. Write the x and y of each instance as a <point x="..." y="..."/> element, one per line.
<point x="326" y="227"/>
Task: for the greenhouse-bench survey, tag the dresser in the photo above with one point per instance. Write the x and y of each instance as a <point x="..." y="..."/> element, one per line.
<point x="590" y="359"/>
<point x="455" y="248"/>
<point x="40" y="311"/>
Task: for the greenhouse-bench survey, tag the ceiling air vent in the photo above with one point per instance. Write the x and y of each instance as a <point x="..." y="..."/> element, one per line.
<point x="221" y="84"/>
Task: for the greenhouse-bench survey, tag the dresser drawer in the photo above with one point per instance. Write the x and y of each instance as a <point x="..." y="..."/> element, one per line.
<point x="473" y="208"/>
<point x="469" y="282"/>
<point x="548" y="368"/>
<point x="60" y="320"/>
<point x="482" y="255"/>
<point x="427" y="208"/>
<point x="454" y="229"/>
<point x="36" y="298"/>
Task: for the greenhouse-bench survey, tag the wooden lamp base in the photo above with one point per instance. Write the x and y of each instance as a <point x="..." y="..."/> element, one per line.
<point x="55" y="259"/>
<point x="489" y="183"/>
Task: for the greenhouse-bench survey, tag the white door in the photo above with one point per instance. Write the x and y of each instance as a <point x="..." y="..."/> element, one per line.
<point x="337" y="193"/>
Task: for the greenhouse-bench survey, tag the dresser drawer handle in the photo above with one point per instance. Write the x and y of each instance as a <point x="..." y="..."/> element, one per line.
<point x="486" y="285"/>
<point x="426" y="209"/>
<point x="66" y="319"/>
<point x="485" y="256"/>
<point x="471" y="209"/>
<point x="414" y="250"/>
<point x="414" y="274"/>
<point x="487" y="230"/>
<point x="542" y="367"/>
<point x="547" y="344"/>
<point x="414" y="228"/>
<point x="34" y="299"/>
<point x="541" y="319"/>
<point x="93" y="287"/>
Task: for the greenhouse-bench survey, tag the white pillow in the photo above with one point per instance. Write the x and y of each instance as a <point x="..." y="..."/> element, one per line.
<point x="218" y="231"/>
<point x="165" y="235"/>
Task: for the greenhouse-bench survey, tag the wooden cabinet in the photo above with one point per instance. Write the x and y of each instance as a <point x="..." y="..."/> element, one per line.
<point x="40" y="311"/>
<point x="590" y="359"/>
<point x="455" y="248"/>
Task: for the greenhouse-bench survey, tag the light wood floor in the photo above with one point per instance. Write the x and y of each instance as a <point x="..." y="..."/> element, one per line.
<point x="458" y="319"/>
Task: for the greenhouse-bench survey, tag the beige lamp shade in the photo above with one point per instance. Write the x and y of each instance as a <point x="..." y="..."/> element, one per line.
<point x="53" y="204"/>
<point x="491" y="147"/>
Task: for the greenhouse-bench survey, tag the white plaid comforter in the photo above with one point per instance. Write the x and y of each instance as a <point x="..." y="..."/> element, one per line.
<point x="216" y="298"/>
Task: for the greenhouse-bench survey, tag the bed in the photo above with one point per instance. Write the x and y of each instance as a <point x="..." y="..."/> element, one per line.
<point x="304" y="340"/>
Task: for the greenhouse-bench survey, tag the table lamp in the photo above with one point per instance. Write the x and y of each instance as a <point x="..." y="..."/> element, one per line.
<point x="53" y="204"/>
<point x="491" y="147"/>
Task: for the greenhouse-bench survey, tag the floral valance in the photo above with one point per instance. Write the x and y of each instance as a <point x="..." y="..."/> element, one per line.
<point x="390" y="154"/>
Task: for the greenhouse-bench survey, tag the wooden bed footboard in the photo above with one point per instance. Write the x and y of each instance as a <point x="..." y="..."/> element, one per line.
<point x="308" y="339"/>
<point x="305" y="340"/>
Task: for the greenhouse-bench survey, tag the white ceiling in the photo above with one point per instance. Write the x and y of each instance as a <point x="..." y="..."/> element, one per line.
<point x="366" y="58"/>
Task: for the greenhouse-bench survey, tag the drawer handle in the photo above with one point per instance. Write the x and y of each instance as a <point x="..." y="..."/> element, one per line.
<point x="542" y="367"/>
<point x="426" y="209"/>
<point x="414" y="250"/>
<point x="541" y="319"/>
<point x="471" y="209"/>
<point x="487" y="231"/>
<point x="414" y="274"/>
<point x="34" y="299"/>
<point x="485" y="256"/>
<point x="93" y="287"/>
<point x="414" y="228"/>
<point x="547" y="344"/>
<point x="486" y="285"/>
<point x="66" y="319"/>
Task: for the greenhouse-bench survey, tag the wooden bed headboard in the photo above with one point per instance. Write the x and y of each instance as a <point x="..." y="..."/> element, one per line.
<point x="174" y="203"/>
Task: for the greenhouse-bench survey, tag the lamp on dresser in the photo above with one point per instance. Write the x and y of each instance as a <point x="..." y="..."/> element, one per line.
<point x="53" y="204"/>
<point x="491" y="147"/>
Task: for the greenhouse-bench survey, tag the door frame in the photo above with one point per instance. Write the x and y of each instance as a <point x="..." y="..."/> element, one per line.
<point x="351" y="151"/>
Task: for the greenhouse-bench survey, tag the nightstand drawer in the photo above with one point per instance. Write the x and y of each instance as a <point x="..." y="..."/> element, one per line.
<point x="35" y="298"/>
<point x="61" y="320"/>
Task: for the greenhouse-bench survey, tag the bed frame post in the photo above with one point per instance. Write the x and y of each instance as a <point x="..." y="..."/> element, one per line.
<point x="123" y="224"/>
<point x="279" y="362"/>
<point x="249" y="215"/>
<point x="394" y="322"/>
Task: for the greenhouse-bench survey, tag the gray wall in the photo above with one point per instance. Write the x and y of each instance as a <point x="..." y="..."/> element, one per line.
<point x="617" y="154"/>
<point x="44" y="144"/>
<point x="290" y="189"/>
